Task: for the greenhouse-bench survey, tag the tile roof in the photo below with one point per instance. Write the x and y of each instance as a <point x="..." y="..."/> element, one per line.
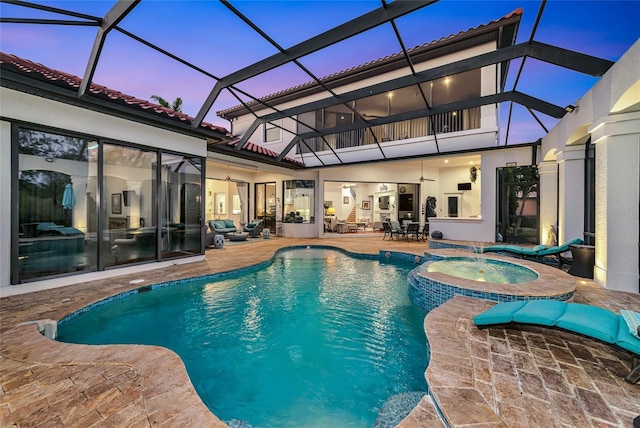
<point x="64" y="80"/>
<point x="68" y="81"/>
<point x="252" y="147"/>
<point x="398" y="55"/>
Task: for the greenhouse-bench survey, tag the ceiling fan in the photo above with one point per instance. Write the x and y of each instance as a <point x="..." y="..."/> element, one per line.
<point x="422" y="179"/>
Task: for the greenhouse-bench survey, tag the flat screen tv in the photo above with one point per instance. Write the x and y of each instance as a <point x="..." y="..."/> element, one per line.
<point x="383" y="202"/>
<point x="464" y="186"/>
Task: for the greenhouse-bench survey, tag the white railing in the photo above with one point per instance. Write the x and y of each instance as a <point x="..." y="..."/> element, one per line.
<point x="459" y="120"/>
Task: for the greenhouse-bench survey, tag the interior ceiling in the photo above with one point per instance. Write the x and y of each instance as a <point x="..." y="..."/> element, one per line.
<point x="236" y="76"/>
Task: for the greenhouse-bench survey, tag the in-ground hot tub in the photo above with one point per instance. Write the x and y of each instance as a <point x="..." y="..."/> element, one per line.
<point x="481" y="269"/>
<point x="503" y="279"/>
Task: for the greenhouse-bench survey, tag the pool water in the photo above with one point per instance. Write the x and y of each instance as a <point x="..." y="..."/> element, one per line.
<point x="484" y="270"/>
<point x="318" y="338"/>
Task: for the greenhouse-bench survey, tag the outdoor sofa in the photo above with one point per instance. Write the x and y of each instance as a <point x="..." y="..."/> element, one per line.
<point x="222" y="227"/>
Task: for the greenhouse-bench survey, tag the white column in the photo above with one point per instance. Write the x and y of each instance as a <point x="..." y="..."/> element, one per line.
<point x="617" y="140"/>
<point x="571" y="193"/>
<point x="548" y="171"/>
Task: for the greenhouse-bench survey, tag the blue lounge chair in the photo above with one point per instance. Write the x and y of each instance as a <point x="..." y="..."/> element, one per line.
<point x="587" y="320"/>
<point x="535" y="252"/>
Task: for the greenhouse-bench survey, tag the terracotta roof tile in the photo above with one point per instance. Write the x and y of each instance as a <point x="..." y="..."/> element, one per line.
<point x="69" y="81"/>
<point x="66" y="80"/>
<point x="424" y="46"/>
<point x="252" y="147"/>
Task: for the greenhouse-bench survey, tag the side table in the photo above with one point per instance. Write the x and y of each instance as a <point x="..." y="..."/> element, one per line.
<point x="584" y="257"/>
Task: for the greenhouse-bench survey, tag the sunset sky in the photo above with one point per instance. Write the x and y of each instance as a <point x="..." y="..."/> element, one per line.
<point x="208" y="35"/>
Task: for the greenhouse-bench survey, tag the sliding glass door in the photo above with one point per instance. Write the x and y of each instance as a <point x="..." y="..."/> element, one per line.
<point x="265" y="204"/>
<point x="129" y="233"/>
<point x="56" y="205"/>
<point x="85" y="204"/>
<point x="181" y="204"/>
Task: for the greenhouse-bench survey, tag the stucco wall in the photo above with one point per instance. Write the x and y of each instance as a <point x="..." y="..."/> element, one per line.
<point x="608" y="114"/>
<point x="29" y="108"/>
<point x="488" y="83"/>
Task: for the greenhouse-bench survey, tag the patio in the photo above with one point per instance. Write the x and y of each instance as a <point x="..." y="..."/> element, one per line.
<point x="501" y="377"/>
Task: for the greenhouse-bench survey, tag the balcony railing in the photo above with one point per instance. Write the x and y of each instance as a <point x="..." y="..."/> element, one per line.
<point x="460" y="120"/>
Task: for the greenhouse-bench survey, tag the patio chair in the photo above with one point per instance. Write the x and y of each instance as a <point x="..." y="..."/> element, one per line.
<point x="424" y="234"/>
<point x="413" y="230"/>
<point x="535" y="252"/>
<point x="387" y="230"/>
<point x="397" y="229"/>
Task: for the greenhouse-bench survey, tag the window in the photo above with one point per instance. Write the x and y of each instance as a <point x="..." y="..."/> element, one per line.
<point x="299" y="197"/>
<point x="271" y="133"/>
<point x="57" y="207"/>
<point x="85" y="204"/>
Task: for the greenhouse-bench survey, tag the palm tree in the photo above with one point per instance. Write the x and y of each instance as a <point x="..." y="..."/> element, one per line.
<point x="176" y="105"/>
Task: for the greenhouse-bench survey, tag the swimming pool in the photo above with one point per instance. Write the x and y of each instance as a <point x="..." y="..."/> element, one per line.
<point x="318" y="338"/>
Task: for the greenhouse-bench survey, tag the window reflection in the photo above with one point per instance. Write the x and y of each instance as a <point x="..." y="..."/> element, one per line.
<point x="70" y="219"/>
<point x="181" y="204"/>
<point x="129" y="204"/>
<point x="56" y="204"/>
<point x="299" y="197"/>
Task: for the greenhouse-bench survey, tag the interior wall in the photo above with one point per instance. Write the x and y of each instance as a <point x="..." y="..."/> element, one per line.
<point x="469" y="200"/>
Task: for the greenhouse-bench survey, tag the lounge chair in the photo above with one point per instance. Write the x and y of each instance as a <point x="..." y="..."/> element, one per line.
<point x="587" y="320"/>
<point x="535" y="252"/>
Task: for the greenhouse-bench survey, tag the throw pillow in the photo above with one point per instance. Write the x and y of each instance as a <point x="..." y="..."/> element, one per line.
<point x="633" y="321"/>
<point x="229" y="224"/>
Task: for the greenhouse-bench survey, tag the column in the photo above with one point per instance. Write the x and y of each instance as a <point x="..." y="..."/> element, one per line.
<point x="617" y="140"/>
<point x="548" y="171"/>
<point x="571" y="193"/>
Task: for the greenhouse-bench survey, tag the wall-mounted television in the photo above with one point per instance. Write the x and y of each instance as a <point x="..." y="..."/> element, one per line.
<point x="464" y="186"/>
<point x="383" y="202"/>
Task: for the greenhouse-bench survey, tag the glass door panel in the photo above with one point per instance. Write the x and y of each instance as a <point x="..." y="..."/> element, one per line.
<point x="128" y="204"/>
<point x="57" y="216"/>
<point x="518" y="214"/>
<point x="265" y="203"/>
<point x="181" y="205"/>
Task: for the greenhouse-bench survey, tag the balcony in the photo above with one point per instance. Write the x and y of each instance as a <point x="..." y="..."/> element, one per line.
<point x="455" y="121"/>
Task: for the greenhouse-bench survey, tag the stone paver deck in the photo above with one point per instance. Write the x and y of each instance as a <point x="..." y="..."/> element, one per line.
<point x="47" y="383"/>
